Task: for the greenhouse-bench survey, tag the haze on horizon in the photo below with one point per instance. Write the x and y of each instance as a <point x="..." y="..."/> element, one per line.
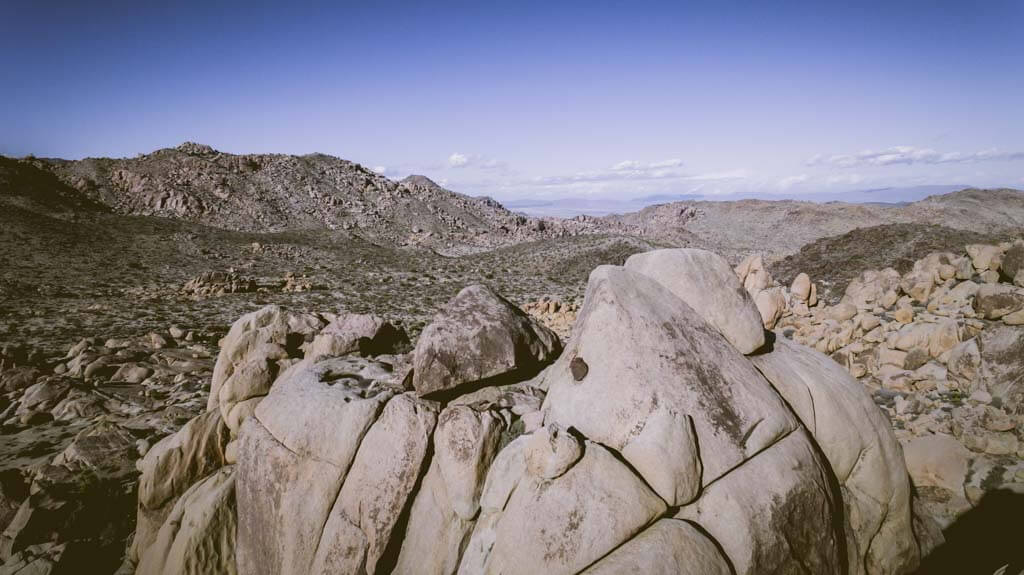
<point x="529" y="102"/>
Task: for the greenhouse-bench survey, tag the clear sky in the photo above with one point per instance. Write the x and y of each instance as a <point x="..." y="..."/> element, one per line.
<point x="537" y="100"/>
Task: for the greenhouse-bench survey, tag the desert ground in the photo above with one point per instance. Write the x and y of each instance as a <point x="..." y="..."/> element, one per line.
<point x="213" y="363"/>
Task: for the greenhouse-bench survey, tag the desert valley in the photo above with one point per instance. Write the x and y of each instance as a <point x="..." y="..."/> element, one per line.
<point x="217" y="363"/>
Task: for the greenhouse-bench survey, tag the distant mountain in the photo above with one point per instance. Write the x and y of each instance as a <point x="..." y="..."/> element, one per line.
<point x="778" y="228"/>
<point x="569" y="207"/>
<point x="274" y="192"/>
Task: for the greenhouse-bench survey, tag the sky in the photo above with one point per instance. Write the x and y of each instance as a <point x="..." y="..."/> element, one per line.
<point x="537" y="101"/>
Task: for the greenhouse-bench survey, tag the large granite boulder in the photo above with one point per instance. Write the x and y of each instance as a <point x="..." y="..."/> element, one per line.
<point x="707" y="283"/>
<point x="478" y="338"/>
<point x="864" y="456"/>
<point x="775" y="513"/>
<point x="1001" y="366"/>
<point x="199" y="534"/>
<point x="662" y="387"/>
<point x="562" y="525"/>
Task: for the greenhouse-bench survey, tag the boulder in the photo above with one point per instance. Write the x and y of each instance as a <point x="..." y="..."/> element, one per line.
<point x="856" y="438"/>
<point x="1000" y="369"/>
<point x="661" y="381"/>
<point x="444" y="512"/>
<point x="199" y="534"/>
<point x="842" y="311"/>
<point x="801" y="287"/>
<point x="269" y="333"/>
<point x="171" y="467"/>
<point x="478" y="338"/>
<point x="771" y="305"/>
<point x="561" y="526"/>
<point x="773" y="513"/>
<point x="982" y="256"/>
<point x="918" y="285"/>
<point x="1013" y="262"/>
<point x="707" y="284"/>
<point x="993" y="301"/>
<point x="357" y="333"/>
<point x="551" y="451"/>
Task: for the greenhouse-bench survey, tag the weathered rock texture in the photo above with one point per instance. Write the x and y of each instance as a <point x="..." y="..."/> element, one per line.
<point x="651" y="444"/>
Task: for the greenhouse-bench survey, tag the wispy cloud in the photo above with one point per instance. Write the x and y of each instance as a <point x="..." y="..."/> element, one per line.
<point x="789" y="182"/>
<point x="632" y="170"/>
<point x="459" y="160"/>
<point x="909" y="155"/>
<point x="384" y="170"/>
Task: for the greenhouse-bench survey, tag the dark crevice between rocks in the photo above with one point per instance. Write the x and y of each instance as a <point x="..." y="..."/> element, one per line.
<point x="389" y="559"/>
<point x="521" y="375"/>
<point x="721" y="550"/>
<point x="618" y="456"/>
<point x="768" y="346"/>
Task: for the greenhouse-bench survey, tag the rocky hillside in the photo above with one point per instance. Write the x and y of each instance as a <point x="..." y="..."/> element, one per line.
<point x="836" y="260"/>
<point x="274" y="192"/>
<point x="776" y="229"/>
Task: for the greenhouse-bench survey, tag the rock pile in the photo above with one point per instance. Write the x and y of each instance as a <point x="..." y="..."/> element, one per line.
<point x="296" y="284"/>
<point x="218" y="283"/>
<point x="557" y="315"/>
<point x="73" y="428"/>
<point x="654" y="441"/>
<point x="942" y="349"/>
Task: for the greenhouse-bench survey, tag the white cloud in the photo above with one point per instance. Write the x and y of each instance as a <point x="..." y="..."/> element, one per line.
<point x="673" y="163"/>
<point x="458" y="160"/>
<point x="789" y="182"/>
<point x="908" y="155"/>
<point x="626" y="165"/>
<point x="640" y="166"/>
<point x="380" y="169"/>
<point x="627" y="170"/>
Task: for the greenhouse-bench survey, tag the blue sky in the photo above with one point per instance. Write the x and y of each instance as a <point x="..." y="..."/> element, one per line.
<point x="537" y="100"/>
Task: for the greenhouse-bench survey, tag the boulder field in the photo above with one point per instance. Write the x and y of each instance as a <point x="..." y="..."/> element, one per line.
<point x="670" y="434"/>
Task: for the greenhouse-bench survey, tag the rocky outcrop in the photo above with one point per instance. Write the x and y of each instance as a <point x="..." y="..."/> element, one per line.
<point x="218" y="283"/>
<point x="939" y="349"/>
<point x="75" y="425"/>
<point x="274" y="192"/>
<point x="651" y="443"/>
<point x="662" y="387"/>
<point x="856" y="439"/>
<point x="256" y="348"/>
